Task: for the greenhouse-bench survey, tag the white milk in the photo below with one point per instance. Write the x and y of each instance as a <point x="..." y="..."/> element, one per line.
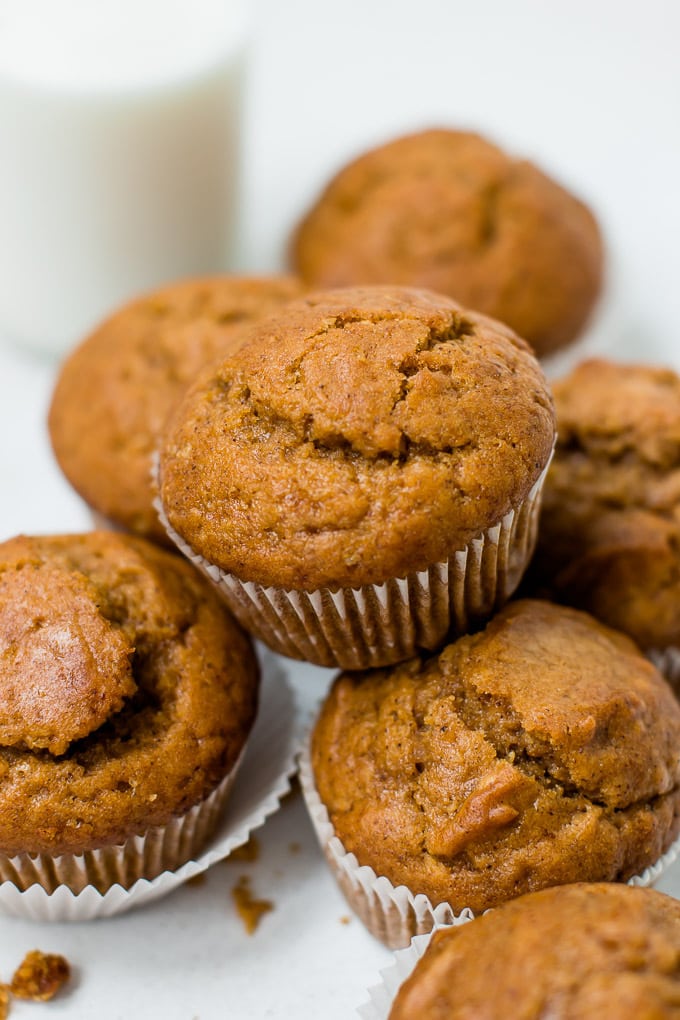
<point x="119" y="123"/>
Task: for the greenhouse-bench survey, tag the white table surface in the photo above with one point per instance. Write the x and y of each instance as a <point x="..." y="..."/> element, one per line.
<point x="592" y="92"/>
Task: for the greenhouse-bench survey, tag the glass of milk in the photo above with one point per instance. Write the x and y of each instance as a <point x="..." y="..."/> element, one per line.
<point x="119" y="130"/>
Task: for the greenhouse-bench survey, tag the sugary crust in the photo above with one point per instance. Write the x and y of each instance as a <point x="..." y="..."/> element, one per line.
<point x="609" y="538"/>
<point x="115" y="391"/>
<point x="578" y="952"/>
<point x="449" y="211"/>
<point x="359" y="435"/>
<point x="177" y="695"/>
<point x="65" y="667"/>
<point x="541" y="751"/>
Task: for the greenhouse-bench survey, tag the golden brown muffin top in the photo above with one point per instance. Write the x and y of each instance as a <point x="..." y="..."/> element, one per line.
<point x="127" y="690"/>
<point x="115" y="391"/>
<point x="449" y="211"/>
<point x="359" y="435"/>
<point x="541" y="751"/>
<point x="578" y="952"/>
<point x="610" y="532"/>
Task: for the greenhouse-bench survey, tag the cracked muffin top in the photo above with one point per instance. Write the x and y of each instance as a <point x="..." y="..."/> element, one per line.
<point x="127" y="690"/>
<point x="577" y="952"/>
<point x="609" y="539"/>
<point x="358" y="435"/>
<point x="115" y="391"/>
<point x="449" y="211"/>
<point x="541" y="751"/>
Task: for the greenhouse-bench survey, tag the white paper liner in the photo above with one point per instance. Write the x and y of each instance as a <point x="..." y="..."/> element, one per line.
<point x="264" y="778"/>
<point x="393" y="913"/>
<point x="667" y="661"/>
<point x="381" y="624"/>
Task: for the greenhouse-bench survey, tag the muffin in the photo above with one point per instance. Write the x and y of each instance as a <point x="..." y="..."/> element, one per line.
<point x="128" y="693"/>
<point x="363" y="474"/>
<point x="449" y="211"/>
<point x="609" y="538"/>
<point x="579" y="952"/>
<point x="541" y="751"/>
<point x="115" y="391"/>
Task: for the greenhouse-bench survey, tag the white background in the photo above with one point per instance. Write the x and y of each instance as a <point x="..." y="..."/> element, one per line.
<point x="591" y="91"/>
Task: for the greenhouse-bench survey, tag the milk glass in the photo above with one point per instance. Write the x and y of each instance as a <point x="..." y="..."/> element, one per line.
<point x="119" y="139"/>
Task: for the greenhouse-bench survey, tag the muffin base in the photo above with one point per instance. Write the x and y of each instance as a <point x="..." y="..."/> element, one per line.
<point x="381" y="624"/>
<point x="161" y="848"/>
<point x="394" y="914"/>
<point x="269" y="762"/>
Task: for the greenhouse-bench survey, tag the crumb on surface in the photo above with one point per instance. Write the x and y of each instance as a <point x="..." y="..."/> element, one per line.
<point x="249" y="852"/>
<point x="40" y="976"/>
<point x="294" y="848"/>
<point x="197" y="880"/>
<point x="345" y="919"/>
<point x="250" y="909"/>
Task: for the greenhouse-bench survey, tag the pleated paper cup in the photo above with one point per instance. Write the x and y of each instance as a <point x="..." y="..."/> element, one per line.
<point x="395" y="914"/>
<point x="100" y="883"/>
<point x="381" y="624"/>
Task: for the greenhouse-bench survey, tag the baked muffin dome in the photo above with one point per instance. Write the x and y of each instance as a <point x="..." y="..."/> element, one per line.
<point x="541" y="751"/>
<point x="127" y="691"/>
<point x="115" y="391"/>
<point x="609" y="537"/>
<point x="578" y="952"/>
<point x="449" y="211"/>
<point x="360" y="434"/>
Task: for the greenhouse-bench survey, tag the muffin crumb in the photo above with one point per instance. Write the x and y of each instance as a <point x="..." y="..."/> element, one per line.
<point x="250" y="909"/>
<point x="197" y="880"/>
<point x="40" y="976"/>
<point x="249" y="852"/>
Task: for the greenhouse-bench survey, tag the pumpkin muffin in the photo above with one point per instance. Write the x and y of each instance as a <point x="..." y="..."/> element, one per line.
<point x="542" y="751"/>
<point x="610" y="532"/>
<point x="450" y="211"/>
<point x="115" y="391"/>
<point x="127" y="696"/>
<point x="363" y="473"/>
<point x="579" y="952"/>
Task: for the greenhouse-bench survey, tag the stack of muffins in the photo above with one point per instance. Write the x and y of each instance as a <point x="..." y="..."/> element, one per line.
<point x="358" y="472"/>
<point x="129" y="691"/>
